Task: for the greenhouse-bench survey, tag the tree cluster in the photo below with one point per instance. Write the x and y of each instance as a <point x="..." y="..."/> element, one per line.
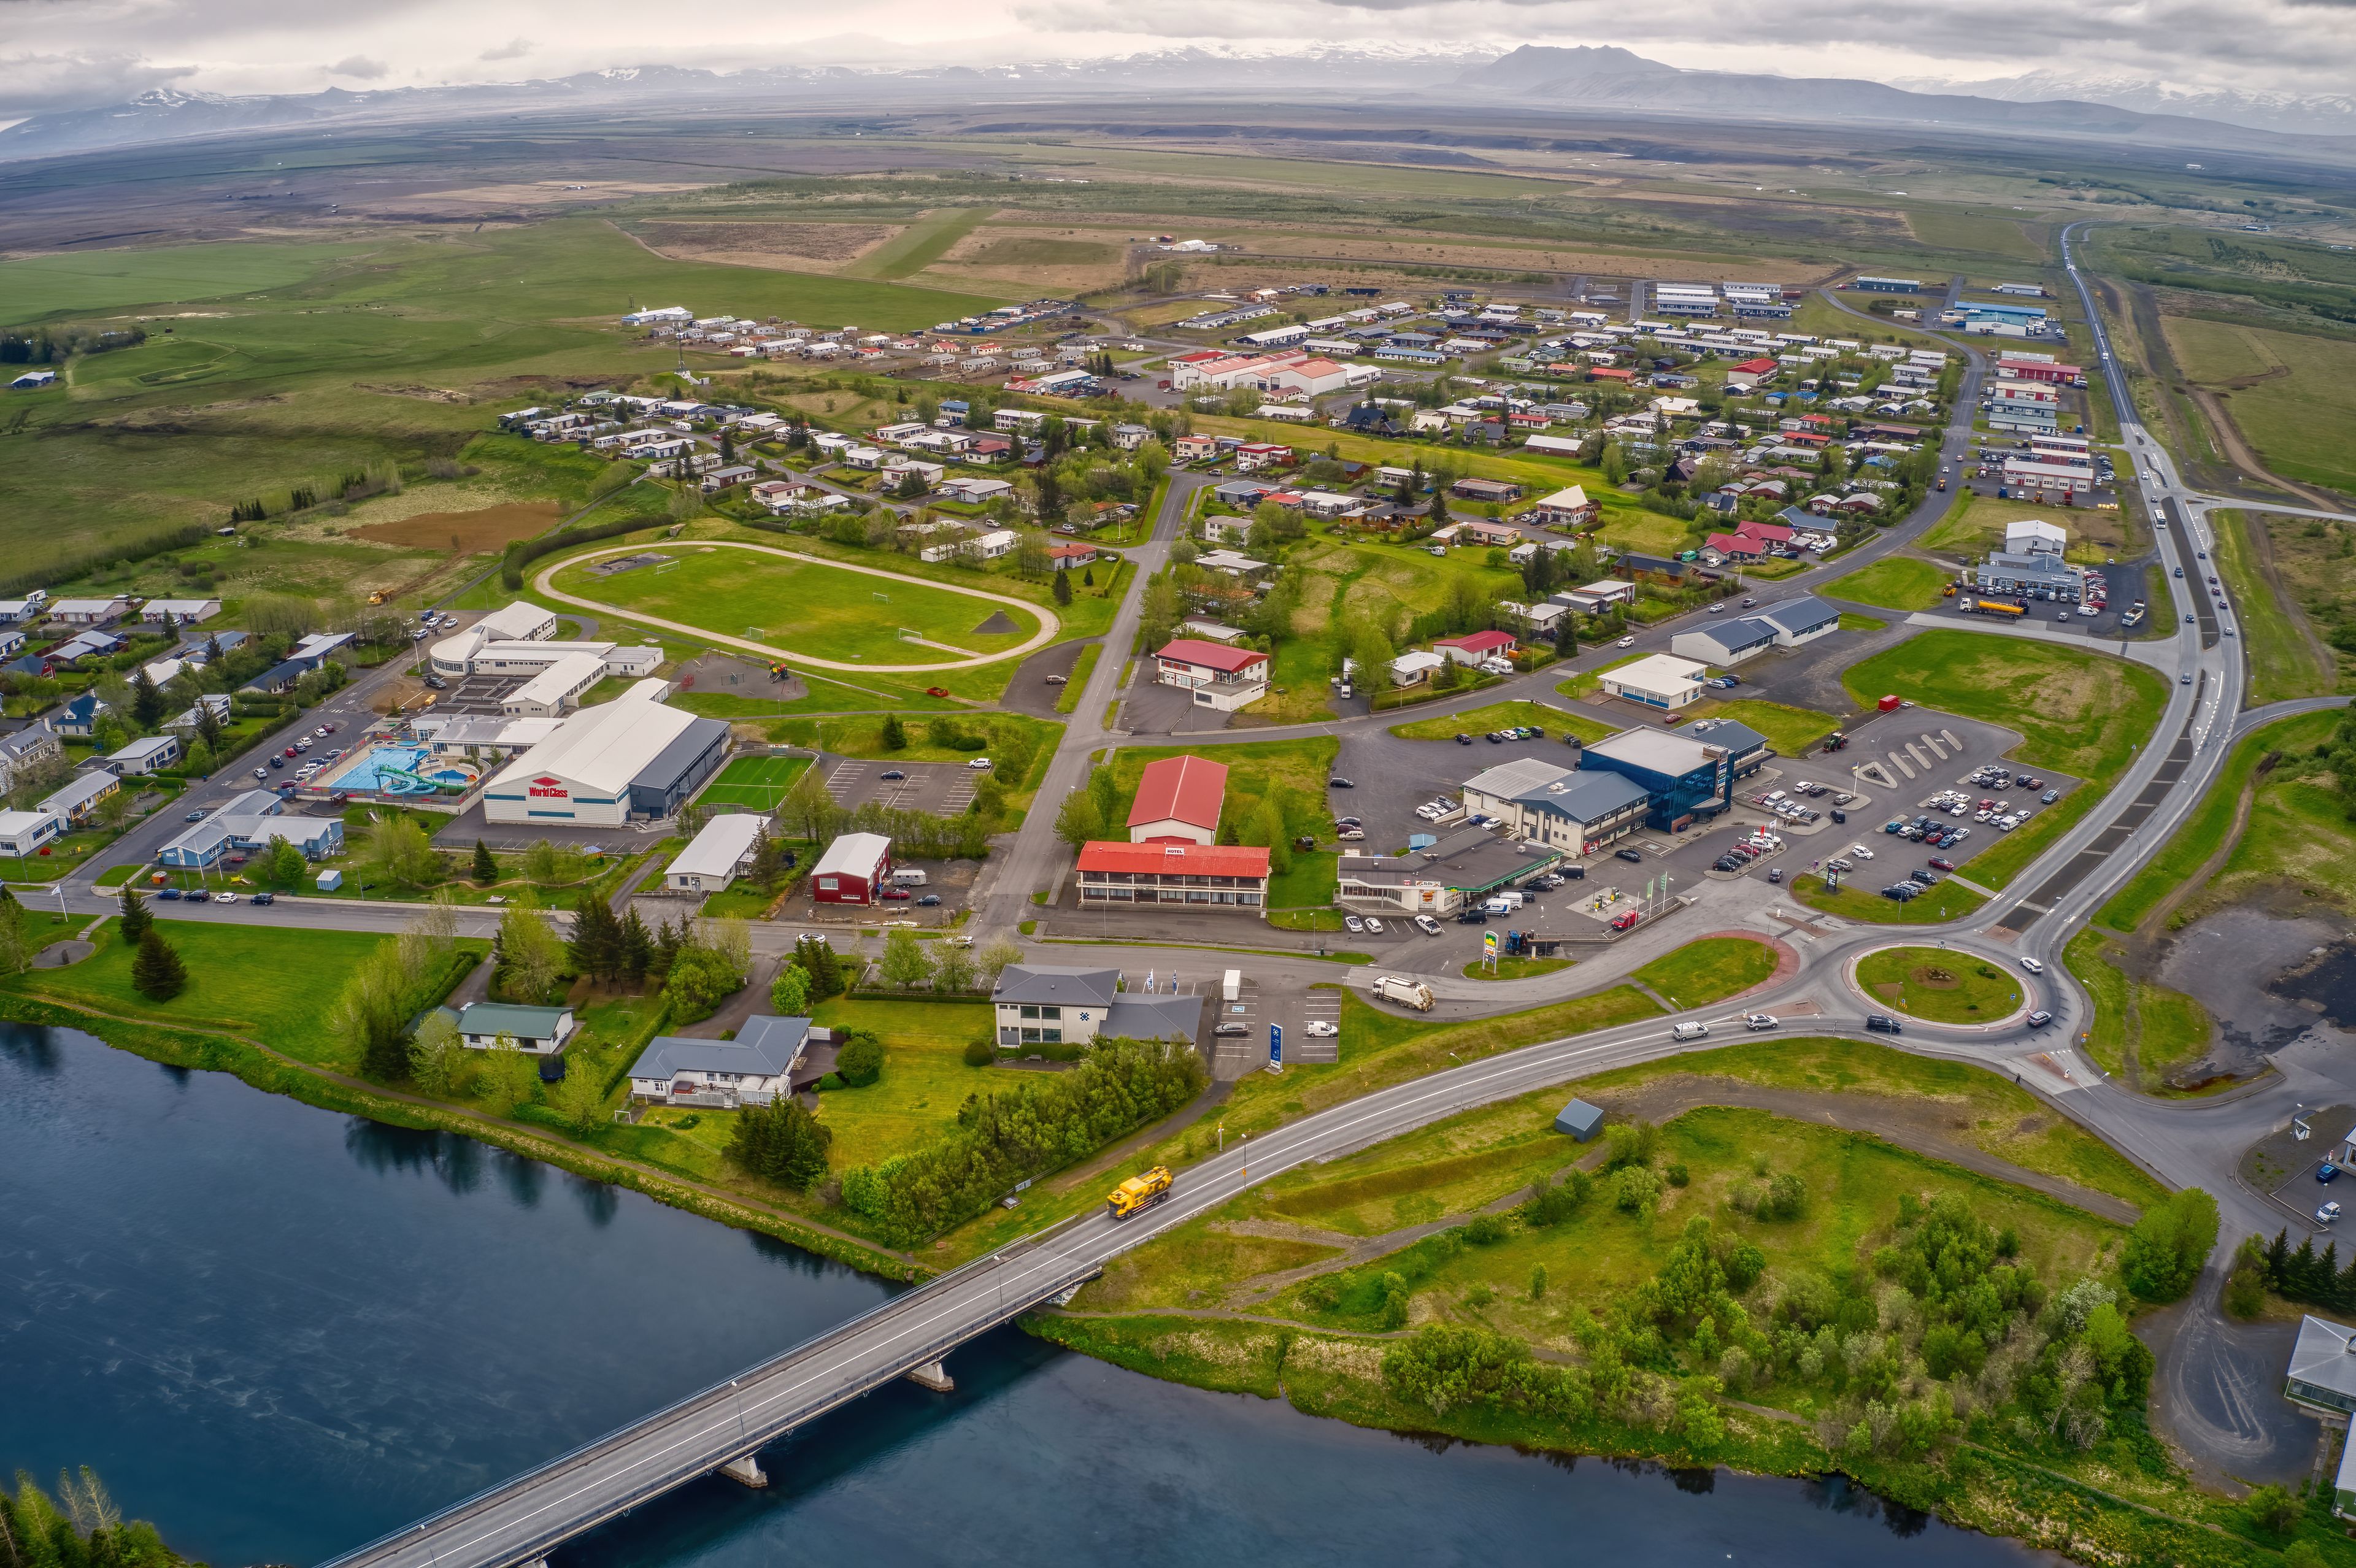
<point x="79" y="1527"/>
<point x="781" y="1141"/>
<point x="1041" y="1123"/>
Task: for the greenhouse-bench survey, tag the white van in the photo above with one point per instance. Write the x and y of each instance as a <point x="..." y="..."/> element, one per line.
<point x="1689" y="1031"/>
<point x="907" y="877"/>
<point x="1504" y="903"/>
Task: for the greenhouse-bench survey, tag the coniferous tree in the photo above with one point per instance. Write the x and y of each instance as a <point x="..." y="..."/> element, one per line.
<point x="487" y="868"/>
<point x="768" y="862"/>
<point x="781" y="1141"/>
<point x="2277" y="1251"/>
<point x="666" y="942"/>
<point x="1063" y="586"/>
<point x="637" y="947"/>
<point x="157" y="970"/>
<point x="597" y="940"/>
<point x="136" y="916"/>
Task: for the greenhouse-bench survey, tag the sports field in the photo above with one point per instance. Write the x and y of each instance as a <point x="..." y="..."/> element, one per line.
<point x="806" y="607"/>
<point x="754" y="784"/>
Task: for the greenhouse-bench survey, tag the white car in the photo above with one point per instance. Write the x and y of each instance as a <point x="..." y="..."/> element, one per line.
<point x="1320" y="1029"/>
<point x="1351" y="923"/>
<point x="1374" y="925"/>
<point x="224" y="898"/>
<point x="1425" y="924"/>
<point x="1626" y="643"/>
<point x="977" y="763"/>
<point x="1860" y="851"/>
<point x="1759" y="1021"/>
<point x="2032" y="965"/>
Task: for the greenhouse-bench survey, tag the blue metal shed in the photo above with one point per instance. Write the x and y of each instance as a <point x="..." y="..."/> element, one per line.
<point x="1580" y="1120"/>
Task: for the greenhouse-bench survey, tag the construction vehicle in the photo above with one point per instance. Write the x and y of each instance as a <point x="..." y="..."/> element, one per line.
<point x="1139" y="1193"/>
<point x="376" y="598"/>
<point x="1837" y="742"/>
<point x="1407" y="993"/>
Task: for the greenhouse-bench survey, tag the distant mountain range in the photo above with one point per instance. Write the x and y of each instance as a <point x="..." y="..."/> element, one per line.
<point x="1537" y="77"/>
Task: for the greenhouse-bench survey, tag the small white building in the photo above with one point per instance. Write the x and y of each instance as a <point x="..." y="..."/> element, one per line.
<point x="540" y="1031"/>
<point x="1656" y="680"/>
<point x="145" y="756"/>
<point x="23" y="833"/>
<point x="722" y="850"/>
<point x="1415" y="666"/>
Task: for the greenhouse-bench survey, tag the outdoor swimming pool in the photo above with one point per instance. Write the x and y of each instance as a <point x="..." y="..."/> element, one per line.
<point x="404" y="770"/>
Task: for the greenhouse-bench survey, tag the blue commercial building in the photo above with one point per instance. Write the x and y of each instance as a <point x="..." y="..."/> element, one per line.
<point x="1687" y="778"/>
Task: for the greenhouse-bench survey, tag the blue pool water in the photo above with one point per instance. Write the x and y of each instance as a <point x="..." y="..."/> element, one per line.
<point x="397" y="770"/>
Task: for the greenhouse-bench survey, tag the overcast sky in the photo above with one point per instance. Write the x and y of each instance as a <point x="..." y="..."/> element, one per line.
<point x="79" y="53"/>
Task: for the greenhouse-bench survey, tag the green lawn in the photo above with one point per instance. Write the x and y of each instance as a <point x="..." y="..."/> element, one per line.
<point x="1859" y="898"/>
<point x="2140" y="1029"/>
<point x="2283" y="662"/>
<point x="862" y="735"/>
<point x="925" y="1076"/>
<point x="1708" y="971"/>
<point x="1851" y="620"/>
<point x="1894" y="583"/>
<point x="2078" y="713"/>
<point x="174" y="274"/>
<point x="1478" y="722"/>
<point x="919" y="245"/>
<point x="805" y="607"/>
<point x="1076" y="686"/>
<point x="2204" y="830"/>
<point x="277" y="984"/>
<point x="1936" y="983"/>
<point x="1309" y="884"/>
<point x="1514" y="969"/>
<point x="1793" y="731"/>
<point x="756" y="784"/>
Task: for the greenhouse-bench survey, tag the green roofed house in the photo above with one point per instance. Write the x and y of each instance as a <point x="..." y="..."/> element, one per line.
<point x="543" y="1031"/>
<point x="1580" y="1120"/>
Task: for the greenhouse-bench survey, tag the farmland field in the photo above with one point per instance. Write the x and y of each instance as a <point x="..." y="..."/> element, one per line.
<point x="808" y="607"/>
<point x="2294" y="397"/>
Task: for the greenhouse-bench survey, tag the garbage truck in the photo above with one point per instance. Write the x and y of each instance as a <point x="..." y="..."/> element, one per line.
<point x="1407" y="993"/>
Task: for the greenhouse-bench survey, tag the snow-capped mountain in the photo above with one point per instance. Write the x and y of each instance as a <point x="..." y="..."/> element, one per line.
<point x="2305" y="114"/>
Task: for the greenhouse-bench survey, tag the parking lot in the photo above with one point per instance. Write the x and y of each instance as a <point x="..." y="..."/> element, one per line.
<point x="942" y="788"/>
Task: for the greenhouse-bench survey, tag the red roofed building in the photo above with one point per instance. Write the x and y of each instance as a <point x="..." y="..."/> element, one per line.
<point x="1762" y="366"/>
<point x="1221" y="677"/>
<point x="1178" y="802"/>
<point x="1607" y="373"/>
<point x="1746" y="374"/>
<point x="1073" y="554"/>
<point x="1772" y="533"/>
<point x="1474" y="647"/>
<point x="2038" y="370"/>
<point x="1737" y="546"/>
<point x="1200" y="876"/>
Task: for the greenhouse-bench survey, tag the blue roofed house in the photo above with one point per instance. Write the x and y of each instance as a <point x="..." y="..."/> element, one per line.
<point x="752" y="1070"/>
<point x="279" y="677"/>
<point x="248" y="822"/>
<point x="78" y="716"/>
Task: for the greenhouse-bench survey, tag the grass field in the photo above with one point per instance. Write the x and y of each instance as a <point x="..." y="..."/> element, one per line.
<point x="756" y="784"/>
<point x="2294" y="397"/>
<point x="2205" y="831"/>
<point x="1975" y="525"/>
<point x="925" y="1076"/>
<point x="1793" y="731"/>
<point x="808" y="607"/>
<point x="1478" y="722"/>
<point x="303" y="361"/>
<point x="1936" y="983"/>
<point x="275" y="983"/>
<point x="1859" y="898"/>
<point x="2299" y="837"/>
<point x="918" y="246"/>
<point x="862" y="735"/>
<point x="2283" y="661"/>
<point x="2078" y="713"/>
<point x="1894" y="583"/>
<point x="1708" y="971"/>
<point x="1295" y="771"/>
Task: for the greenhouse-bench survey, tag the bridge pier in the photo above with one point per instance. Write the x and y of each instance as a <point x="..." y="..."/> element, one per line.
<point x="746" y="1471"/>
<point x="934" y="1376"/>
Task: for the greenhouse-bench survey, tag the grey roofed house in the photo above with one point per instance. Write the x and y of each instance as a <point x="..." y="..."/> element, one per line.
<point x="1140" y="1017"/>
<point x="765" y="1047"/>
<point x="1057" y="984"/>
<point x="1579" y="1119"/>
<point x="2322" y="1371"/>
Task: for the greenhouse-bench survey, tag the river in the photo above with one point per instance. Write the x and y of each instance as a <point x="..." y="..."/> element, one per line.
<point x="278" y="1333"/>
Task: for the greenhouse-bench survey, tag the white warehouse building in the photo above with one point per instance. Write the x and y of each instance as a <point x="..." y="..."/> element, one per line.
<point x="559" y="672"/>
<point x="630" y="758"/>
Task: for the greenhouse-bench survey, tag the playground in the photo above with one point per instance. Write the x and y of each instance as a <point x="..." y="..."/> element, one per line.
<point x="398" y="772"/>
<point x="829" y="615"/>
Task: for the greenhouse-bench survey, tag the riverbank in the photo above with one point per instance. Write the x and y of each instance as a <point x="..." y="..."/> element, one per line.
<point x="257" y="1065"/>
<point x="1967" y="1485"/>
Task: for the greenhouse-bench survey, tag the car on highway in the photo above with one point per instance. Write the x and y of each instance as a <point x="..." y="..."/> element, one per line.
<point x="1627" y="855"/>
<point x="2031" y="965"/>
<point x="891" y="774"/>
<point x="1425" y="924"/>
<point x="2327" y="1213"/>
<point x="1626" y="921"/>
<point x="1882" y="1023"/>
<point x="198" y="815"/>
<point x="1352" y="923"/>
<point x="2040" y="1018"/>
<point x="1320" y="1028"/>
<point x="1626" y="643"/>
<point x="1759" y="1021"/>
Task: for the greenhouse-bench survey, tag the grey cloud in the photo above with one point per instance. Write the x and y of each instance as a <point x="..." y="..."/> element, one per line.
<point x="514" y="48"/>
<point x="31" y="84"/>
<point x="360" y="67"/>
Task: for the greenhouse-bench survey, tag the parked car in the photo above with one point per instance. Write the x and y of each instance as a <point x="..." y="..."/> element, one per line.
<point x="1627" y="855"/>
<point x="1463" y="739"/>
<point x="1320" y="1028"/>
<point x="1941" y="863"/>
<point x="897" y="895"/>
<point x="1374" y="925"/>
<point x="1352" y="923"/>
<point x="1626" y="921"/>
<point x="930" y="900"/>
<point x="889" y="774"/>
<point x="1059" y="680"/>
<point x="937" y="691"/>
<point x="172" y="895"/>
<point x="1631" y="642"/>
<point x="1425" y="924"/>
<point x="224" y="898"/>
<point x="2327" y="1213"/>
<point x="2327" y="1171"/>
<point x="977" y="762"/>
<point x="198" y="815"/>
<point x="1233" y="1028"/>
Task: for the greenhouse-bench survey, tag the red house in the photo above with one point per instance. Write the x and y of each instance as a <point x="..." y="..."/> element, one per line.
<point x="855" y="870"/>
<point x="1737" y="546"/>
<point x="1474" y="647"/>
<point x="1178" y="802"/>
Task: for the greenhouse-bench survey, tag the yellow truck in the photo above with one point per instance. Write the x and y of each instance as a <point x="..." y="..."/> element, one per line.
<point x="1139" y="1193"/>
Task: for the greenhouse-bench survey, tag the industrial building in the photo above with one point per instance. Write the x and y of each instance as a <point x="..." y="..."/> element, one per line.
<point x="1577" y="813"/>
<point x="1724" y="643"/>
<point x="2040" y="576"/>
<point x="632" y="757"/>
<point x="1800" y="621"/>
<point x="855" y="870"/>
<point x="1460" y="869"/>
<point x="1686" y="778"/>
<point x="1178" y="801"/>
<point x="1656" y="680"/>
<point x="1115" y="875"/>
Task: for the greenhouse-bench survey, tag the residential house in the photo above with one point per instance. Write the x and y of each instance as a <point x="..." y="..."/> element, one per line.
<point x="753" y="1069"/>
<point x="178" y="612"/>
<point x="81" y="798"/>
<point x="1477" y="647"/>
<point x="79" y="715"/>
<point x="539" y="1031"/>
<point x="151" y="754"/>
<point x="91" y="612"/>
<point x="1046" y="1004"/>
<point x="1416" y="667"/>
<point x="1566" y="508"/>
<point x="1222" y="678"/>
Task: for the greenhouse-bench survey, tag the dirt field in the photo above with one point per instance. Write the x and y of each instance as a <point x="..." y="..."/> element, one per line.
<point x="792" y="247"/>
<point x="487" y="529"/>
<point x="1058" y="260"/>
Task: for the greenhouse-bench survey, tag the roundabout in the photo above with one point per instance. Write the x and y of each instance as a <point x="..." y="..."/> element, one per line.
<point x="1948" y="985"/>
<point x="840" y="615"/>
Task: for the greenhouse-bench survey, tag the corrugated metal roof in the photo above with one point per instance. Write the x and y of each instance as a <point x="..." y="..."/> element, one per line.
<point x="1188" y="789"/>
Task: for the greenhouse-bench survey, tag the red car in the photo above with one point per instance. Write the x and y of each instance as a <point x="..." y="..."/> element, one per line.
<point x="937" y="691"/>
<point x="1626" y="920"/>
<point x="898" y="893"/>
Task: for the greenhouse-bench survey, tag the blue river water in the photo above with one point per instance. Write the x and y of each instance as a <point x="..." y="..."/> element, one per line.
<point x="278" y="1333"/>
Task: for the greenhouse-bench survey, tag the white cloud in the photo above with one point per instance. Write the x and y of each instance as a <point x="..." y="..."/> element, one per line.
<point x="360" y="66"/>
<point x="513" y="49"/>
